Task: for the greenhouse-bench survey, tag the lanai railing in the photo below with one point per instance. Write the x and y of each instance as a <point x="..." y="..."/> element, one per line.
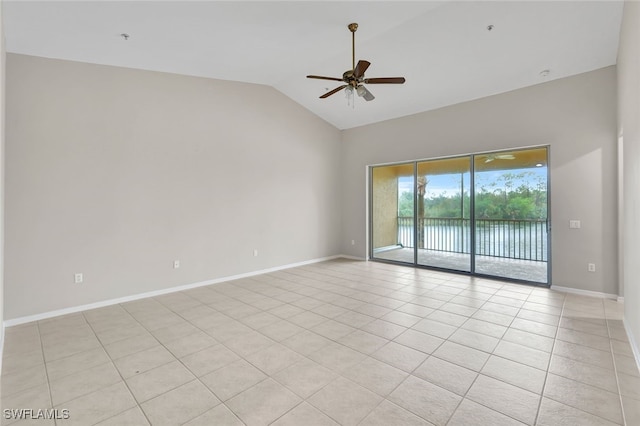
<point x="512" y="239"/>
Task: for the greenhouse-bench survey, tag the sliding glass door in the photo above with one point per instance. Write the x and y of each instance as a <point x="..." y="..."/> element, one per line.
<point x="511" y="214"/>
<point x="484" y="214"/>
<point x="442" y="210"/>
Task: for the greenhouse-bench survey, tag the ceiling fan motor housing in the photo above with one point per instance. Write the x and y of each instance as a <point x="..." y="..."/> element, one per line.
<point x="349" y="78"/>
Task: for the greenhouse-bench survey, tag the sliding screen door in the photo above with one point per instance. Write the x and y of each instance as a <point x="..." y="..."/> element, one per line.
<point x="510" y="207"/>
<point x="442" y="210"/>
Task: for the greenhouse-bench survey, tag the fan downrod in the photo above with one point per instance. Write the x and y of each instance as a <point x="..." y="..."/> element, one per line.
<point x="353" y="27"/>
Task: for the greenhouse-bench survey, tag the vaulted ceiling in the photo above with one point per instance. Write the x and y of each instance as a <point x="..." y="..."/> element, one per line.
<point x="444" y="49"/>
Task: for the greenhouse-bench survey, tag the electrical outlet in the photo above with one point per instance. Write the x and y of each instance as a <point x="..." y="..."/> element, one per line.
<point x="574" y="224"/>
<point x="78" y="278"/>
<point x="591" y="267"/>
<point x="255" y="252"/>
<point x="176" y="264"/>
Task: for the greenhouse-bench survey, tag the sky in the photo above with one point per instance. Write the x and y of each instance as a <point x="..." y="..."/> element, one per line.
<point x="450" y="184"/>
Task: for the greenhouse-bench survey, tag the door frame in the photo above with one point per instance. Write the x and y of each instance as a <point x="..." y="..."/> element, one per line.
<point x="472" y="193"/>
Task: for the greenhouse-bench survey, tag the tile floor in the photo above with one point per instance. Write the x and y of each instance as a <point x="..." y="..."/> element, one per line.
<point x="340" y="342"/>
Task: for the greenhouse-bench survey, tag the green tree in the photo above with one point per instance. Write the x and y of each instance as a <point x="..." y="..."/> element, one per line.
<point x="513" y="195"/>
<point x="405" y="204"/>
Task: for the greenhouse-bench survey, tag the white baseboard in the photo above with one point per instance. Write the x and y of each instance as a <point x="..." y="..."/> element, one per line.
<point x="585" y="292"/>
<point x="109" y="302"/>
<point x="345" y="256"/>
<point x="632" y="342"/>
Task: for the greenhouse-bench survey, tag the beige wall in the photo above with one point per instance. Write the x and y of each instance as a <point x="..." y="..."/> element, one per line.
<point x="385" y="207"/>
<point x="629" y="128"/>
<point x="576" y="116"/>
<point x="116" y="173"/>
<point x="128" y="170"/>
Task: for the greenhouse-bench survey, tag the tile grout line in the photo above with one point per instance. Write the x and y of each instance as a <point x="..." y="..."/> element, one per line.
<point x="546" y="374"/>
<point x="30" y="388"/>
<point x="162" y="365"/>
<point x="479" y="372"/>
<point x="615" y="369"/>
<point x="112" y="361"/>
<point x="46" y="370"/>
<point x="268" y="376"/>
<point x="443" y="341"/>
<point x="196" y="378"/>
<point x="120" y="374"/>
<point x="338" y="375"/>
<point x="580" y="382"/>
<point x="447" y="340"/>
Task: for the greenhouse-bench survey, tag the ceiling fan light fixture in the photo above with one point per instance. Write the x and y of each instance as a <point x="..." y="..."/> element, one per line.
<point x="350" y="96"/>
<point x="361" y="91"/>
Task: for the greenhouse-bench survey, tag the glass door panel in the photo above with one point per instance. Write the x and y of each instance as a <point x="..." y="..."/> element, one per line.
<point x="443" y="233"/>
<point x="511" y="221"/>
<point x="392" y="206"/>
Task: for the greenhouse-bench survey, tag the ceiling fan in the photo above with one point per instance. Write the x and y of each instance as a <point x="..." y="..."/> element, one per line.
<point x="489" y="158"/>
<point x="354" y="78"/>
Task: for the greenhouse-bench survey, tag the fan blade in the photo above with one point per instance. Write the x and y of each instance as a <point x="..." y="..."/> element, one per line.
<point x="337" y="89"/>
<point x="319" y="77"/>
<point x="365" y="93"/>
<point x="361" y="67"/>
<point x="385" y="80"/>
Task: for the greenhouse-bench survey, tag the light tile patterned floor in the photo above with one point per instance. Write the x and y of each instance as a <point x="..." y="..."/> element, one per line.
<point x="339" y="342"/>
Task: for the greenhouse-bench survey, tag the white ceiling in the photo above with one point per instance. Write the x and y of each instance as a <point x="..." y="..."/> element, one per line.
<point x="442" y="48"/>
